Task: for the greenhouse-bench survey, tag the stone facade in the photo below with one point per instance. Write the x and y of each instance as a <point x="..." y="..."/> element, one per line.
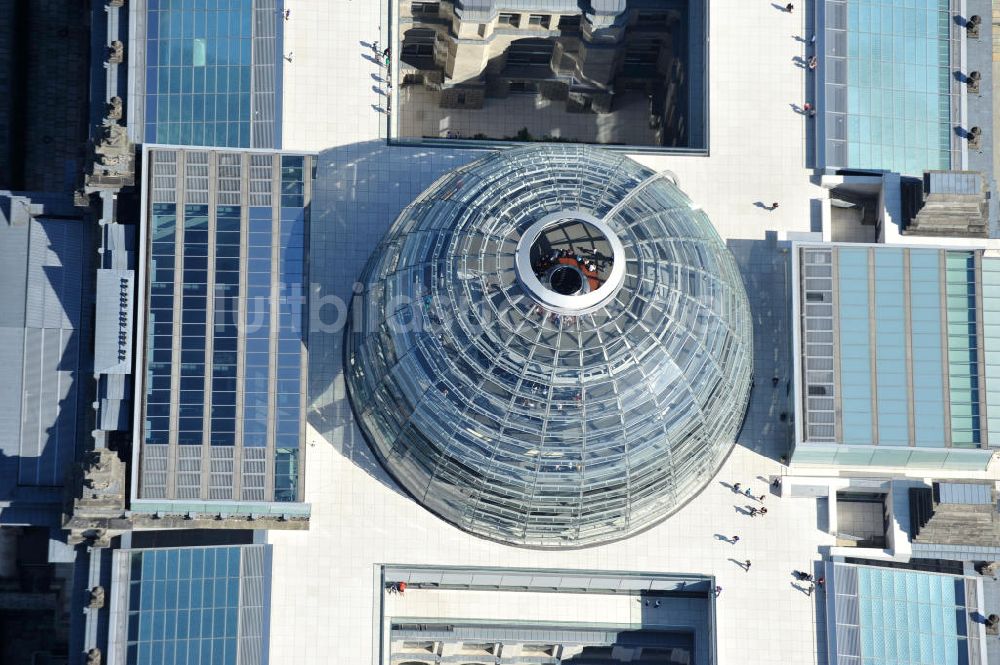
<point x="558" y="53"/>
<point x="939" y="523"/>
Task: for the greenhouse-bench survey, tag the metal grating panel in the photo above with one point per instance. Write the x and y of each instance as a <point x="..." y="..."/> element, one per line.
<point x="836" y="72"/>
<point x="836" y="151"/>
<point x="952" y="182"/>
<point x="965" y="493"/>
<point x="836" y="16"/>
<point x="164" y="183"/>
<point x="849" y="641"/>
<point x="229" y="178"/>
<point x="847" y="580"/>
<point x="196" y="177"/>
<point x="154" y="472"/>
<point x="189" y="472"/>
<point x="261" y="169"/>
<point x="253" y="612"/>
<point x="817" y="339"/>
<point x="847" y="622"/>
<point x="254" y="469"/>
<point x="220" y="484"/>
<point x="263" y="82"/>
<point x="836" y="96"/>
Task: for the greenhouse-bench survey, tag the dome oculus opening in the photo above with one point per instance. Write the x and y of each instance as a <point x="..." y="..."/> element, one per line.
<point x="567" y="280"/>
<point x="567" y="261"/>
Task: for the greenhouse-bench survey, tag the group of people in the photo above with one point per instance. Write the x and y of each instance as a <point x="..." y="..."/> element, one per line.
<point x="811" y="63"/>
<point x="803" y="576"/>
<point x="385" y="53"/>
<point x="753" y="510"/>
<point x="556" y="256"/>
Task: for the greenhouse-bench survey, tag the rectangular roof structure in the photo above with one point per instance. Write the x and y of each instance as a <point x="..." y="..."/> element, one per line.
<point x="114" y="328"/>
<point x="206" y="73"/>
<point x="889" y="615"/>
<point x="220" y="410"/>
<point x="43" y="319"/>
<point x="577" y="615"/>
<point x="898" y="355"/>
<point x="891" y="89"/>
<point x="190" y="605"/>
<point x="953" y="182"/>
<point x="965" y="493"/>
<point x="113" y="336"/>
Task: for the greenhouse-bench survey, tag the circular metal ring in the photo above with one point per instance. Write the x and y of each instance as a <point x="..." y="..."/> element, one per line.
<point x="568" y="304"/>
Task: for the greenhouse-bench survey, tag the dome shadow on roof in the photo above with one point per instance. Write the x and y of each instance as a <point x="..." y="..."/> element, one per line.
<point x="552" y="348"/>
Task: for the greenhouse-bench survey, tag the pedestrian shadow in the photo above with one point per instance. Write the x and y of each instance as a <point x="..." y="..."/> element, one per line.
<point x="962" y="132"/>
<point x="798" y="38"/>
<point x="378" y="91"/>
<point x="762" y="205"/>
<point x="800" y="62"/>
<point x="742" y="511"/>
<point x="798" y="109"/>
<point x="741" y="564"/>
<point x="774" y="490"/>
<point x="780" y="8"/>
<point x="724" y="538"/>
<point x="378" y="108"/>
<point x="372" y="59"/>
<point x="368" y="45"/>
<point x="728" y="486"/>
<point x="377" y="78"/>
<point x="799" y="587"/>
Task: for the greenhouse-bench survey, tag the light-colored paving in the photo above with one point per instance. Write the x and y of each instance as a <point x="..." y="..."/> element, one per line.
<point x="325" y="595"/>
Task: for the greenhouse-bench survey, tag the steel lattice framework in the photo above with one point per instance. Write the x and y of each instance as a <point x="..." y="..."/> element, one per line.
<point x="539" y="418"/>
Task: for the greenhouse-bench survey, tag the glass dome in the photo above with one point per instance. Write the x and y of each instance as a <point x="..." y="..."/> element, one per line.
<point x="551" y="347"/>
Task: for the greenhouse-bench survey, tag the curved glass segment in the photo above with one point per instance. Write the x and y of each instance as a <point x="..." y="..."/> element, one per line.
<point x="527" y="412"/>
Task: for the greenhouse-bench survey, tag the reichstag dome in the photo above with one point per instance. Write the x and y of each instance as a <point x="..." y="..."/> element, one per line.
<point x="552" y="347"/>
